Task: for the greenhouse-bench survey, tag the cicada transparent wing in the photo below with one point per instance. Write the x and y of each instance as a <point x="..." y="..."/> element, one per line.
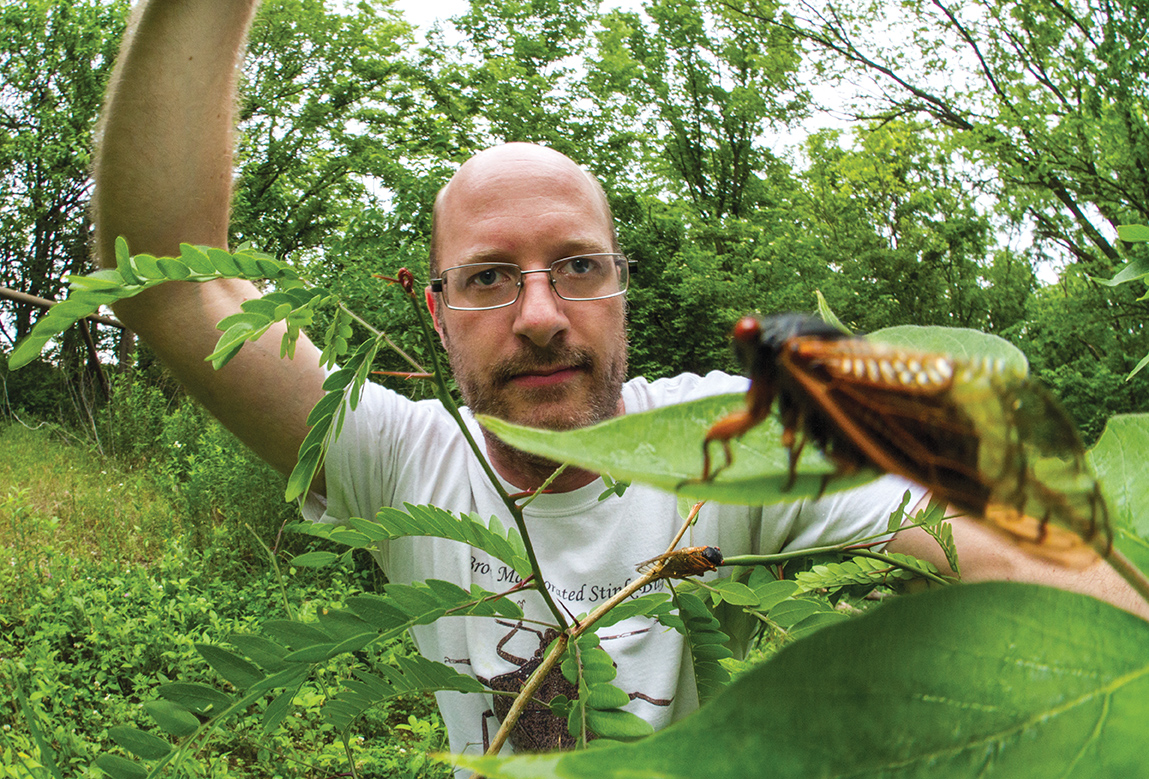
<point x="1042" y="489"/>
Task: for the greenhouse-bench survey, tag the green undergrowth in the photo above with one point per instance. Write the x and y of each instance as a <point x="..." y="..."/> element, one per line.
<point x="105" y="587"/>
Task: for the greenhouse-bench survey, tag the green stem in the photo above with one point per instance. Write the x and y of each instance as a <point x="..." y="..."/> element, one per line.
<point x="444" y="395"/>
<point x="380" y="334"/>
<point x="850" y="548"/>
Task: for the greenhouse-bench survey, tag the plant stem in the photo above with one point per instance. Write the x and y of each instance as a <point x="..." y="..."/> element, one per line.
<point x="444" y="395"/>
<point x="380" y="334"/>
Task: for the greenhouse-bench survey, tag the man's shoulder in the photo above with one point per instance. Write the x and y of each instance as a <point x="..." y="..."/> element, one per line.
<point x="641" y="394"/>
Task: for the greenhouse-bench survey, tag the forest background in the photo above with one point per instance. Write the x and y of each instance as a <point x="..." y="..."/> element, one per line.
<point x="978" y="161"/>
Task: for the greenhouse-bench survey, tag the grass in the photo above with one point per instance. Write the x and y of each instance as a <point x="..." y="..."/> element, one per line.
<point x="60" y="497"/>
<point x="105" y="587"/>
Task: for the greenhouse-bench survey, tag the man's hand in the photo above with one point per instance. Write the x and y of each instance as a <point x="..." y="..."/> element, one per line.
<point x="985" y="554"/>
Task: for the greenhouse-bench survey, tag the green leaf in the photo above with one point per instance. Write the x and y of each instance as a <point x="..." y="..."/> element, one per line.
<point x="268" y="654"/>
<point x="959" y="342"/>
<point x="230" y="666"/>
<point x="99" y="281"/>
<point x="314" y="559"/>
<point x="172" y="717"/>
<point x="297" y="635"/>
<point x="277" y="710"/>
<point x="223" y="262"/>
<point x="734" y="593"/>
<point x="505" y="545"/>
<point x="1118" y="458"/>
<point x="617" y="725"/>
<point x="147" y="267"/>
<point x="414" y="674"/>
<point x="827" y="315"/>
<point x="123" y="262"/>
<point x="120" y="767"/>
<point x="197" y="698"/>
<point x="173" y="269"/>
<point x="663" y="448"/>
<point x="1136" y="269"/>
<point x="140" y="743"/>
<point x="707" y="644"/>
<point x="1133" y="233"/>
<point x="988" y="680"/>
<point x="196" y="259"/>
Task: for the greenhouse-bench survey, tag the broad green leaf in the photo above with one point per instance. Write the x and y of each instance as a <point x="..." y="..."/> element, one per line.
<point x="120" y="767"/>
<point x="230" y="666"/>
<point x="224" y="264"/>
<point x="28" y="349"/>
<point x="277" y="710"/>
<point x="735" y="593"/>
<point x="959" y="342"/>
<point x="140" y="743"/>
<point x="617" y="725"/>
<point x="314" y="559"/>
<point x="197" y="698"/>
<point x="147" y="266"/>
<point x="100" y="281"/>
<point x="988" y="680"/>
<point x="663" y="448"/>
<point x="1118" y="458"/>
<point x="1133" y="233"/>
<point x="268" y="654"/>
<point x="297" y="635"/>
<point x="173" y="718"/>
<point x="1137" y="269"/>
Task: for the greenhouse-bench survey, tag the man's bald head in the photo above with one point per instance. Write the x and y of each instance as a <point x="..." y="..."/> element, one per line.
<point x="482" y="176"/>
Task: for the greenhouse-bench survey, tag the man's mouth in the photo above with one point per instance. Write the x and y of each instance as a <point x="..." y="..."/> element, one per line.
<point x="546" y="377"/>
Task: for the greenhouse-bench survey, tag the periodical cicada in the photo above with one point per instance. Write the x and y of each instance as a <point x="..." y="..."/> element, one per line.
<point x="690" y="561"/>
<point x="978" y="433"/>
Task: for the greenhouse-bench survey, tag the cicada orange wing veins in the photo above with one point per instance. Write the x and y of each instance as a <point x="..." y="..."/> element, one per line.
<point x="977" y="433"/>
<point x="689" y="561"/>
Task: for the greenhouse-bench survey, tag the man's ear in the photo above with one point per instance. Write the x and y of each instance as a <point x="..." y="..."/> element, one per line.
<point x="433" y="308"/>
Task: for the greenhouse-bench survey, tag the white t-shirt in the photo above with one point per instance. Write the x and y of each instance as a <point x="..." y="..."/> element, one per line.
<point x="393" y="451"/>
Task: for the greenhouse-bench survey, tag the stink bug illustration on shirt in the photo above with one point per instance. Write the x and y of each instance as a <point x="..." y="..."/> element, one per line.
<point x="538" y="729"/>
<point x="978" y="433"/>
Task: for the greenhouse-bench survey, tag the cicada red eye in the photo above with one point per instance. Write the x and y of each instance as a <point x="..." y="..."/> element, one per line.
<point x="977" y="433"/>
<point x="690" y="561"/>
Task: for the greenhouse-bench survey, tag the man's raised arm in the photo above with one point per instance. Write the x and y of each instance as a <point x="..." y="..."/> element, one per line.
<point x="163" y="171"/>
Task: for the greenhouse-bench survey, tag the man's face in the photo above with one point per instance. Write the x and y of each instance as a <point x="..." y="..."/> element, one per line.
<point x="542" y="361"/>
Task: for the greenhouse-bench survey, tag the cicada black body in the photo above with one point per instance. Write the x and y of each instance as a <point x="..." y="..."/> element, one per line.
<point x="690" y="561"/>
<point x="977" y="433"/>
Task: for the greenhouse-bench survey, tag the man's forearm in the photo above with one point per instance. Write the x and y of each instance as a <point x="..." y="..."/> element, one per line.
<point x="163" y="165"/>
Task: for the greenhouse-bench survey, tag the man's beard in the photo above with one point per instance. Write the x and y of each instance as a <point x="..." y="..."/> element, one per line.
<point x="488" y="392"/>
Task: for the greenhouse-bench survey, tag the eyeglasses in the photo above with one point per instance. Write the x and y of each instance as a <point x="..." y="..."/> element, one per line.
<point x="481" y="286"/>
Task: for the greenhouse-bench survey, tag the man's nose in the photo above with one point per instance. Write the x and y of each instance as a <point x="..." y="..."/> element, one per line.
<point x="540" y="314"/>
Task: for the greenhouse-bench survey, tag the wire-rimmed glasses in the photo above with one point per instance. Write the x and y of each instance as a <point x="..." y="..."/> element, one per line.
<point x="481" y="286"/>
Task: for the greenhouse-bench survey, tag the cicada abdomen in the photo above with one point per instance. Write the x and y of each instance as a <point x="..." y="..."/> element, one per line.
<point x="979" y="434"/>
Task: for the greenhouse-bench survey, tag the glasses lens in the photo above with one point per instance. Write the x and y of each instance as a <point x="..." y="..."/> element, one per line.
<point x="481" y="285"/>
<point x="590" y="276"/>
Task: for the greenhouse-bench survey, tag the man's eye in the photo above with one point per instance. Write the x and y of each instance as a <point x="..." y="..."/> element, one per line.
<point x="579" y="266"/>
<point x="487" y="277"/>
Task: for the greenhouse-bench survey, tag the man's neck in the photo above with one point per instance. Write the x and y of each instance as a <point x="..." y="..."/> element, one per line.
<point x="528" y="472"/>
